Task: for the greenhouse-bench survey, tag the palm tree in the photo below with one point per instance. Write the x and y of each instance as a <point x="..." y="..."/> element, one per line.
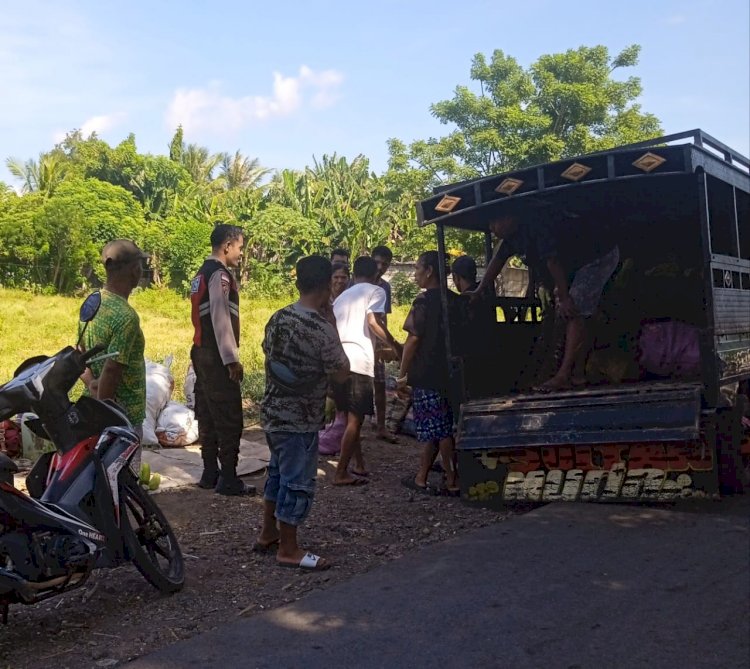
<point x="200" y="163"/>
<point x="42" y="176"/>
<point x="241" y="172"/>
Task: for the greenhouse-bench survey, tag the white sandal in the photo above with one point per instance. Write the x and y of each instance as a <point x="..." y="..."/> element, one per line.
<point x="309" y="562"/>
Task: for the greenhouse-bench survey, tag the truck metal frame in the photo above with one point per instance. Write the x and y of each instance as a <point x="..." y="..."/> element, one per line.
<point x="710" y="184"/>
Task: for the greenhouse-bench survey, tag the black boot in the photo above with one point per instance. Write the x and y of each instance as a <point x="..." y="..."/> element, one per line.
<point x="229" y="483"/>
<point x="210" y="476"/>
<point x="232" y="485"/>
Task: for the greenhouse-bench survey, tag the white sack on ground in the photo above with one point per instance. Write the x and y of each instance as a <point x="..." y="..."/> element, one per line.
<point x="176" y="426"/>
<point x="189" y="387"/>
<point x="159" y="386"/>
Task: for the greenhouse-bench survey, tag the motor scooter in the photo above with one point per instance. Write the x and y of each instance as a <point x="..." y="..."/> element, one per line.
<point x="85" y="509"/>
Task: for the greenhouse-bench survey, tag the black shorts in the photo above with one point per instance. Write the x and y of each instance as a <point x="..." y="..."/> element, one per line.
<point x="356" y="393"/>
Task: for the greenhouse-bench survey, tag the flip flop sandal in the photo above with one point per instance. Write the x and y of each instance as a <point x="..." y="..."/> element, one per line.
<point x="411" y="484"/>
<point x="309" y="562"/>
<point x="259" y="547"/>
<point x="358" y="473"/>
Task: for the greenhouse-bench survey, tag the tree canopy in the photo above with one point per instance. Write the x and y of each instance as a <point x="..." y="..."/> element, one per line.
<point x="84" y="192"/>
<point x="564" y="104"/>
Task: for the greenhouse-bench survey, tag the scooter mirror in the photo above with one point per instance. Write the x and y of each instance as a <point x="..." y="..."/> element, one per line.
<point x="90" y="307"/>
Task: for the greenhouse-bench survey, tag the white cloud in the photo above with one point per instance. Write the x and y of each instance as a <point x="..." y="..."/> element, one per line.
<point x="98" y="124"/>
<point x="676" y="20"/>
<point x="210" y="109"/>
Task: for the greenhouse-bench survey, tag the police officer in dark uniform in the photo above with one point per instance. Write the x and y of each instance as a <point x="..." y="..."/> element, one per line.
<point x="215" y="300"/>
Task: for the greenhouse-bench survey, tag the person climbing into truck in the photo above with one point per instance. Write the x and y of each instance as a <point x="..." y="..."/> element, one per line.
<point x="575" y="257"/>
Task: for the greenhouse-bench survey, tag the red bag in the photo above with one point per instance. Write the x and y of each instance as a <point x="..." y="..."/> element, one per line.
<point x="10" y="438"/>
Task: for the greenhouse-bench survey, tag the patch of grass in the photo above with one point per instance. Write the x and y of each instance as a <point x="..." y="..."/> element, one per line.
<point x="36" y="324"/>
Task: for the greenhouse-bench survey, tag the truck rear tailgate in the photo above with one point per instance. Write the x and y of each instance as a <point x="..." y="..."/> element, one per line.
<point x="620" y="414"/>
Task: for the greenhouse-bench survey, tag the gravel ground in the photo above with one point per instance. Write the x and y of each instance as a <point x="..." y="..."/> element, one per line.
<point x="117" y="616"/>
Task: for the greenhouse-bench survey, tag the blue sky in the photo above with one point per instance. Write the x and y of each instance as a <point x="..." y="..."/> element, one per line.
<point x="285" y="81"/>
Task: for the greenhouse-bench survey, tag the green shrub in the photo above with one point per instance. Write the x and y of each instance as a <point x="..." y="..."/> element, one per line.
<point x="269" y="281"/>
<point x="403" y="288"/>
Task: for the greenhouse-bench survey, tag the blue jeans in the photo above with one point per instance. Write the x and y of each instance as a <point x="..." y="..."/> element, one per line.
<point x="291" y="474"/>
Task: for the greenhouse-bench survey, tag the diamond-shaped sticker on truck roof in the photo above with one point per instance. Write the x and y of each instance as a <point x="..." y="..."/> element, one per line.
<point x="649" y="161"/>
<point x="447" y="204"/>
<point x="575" y="172"/>
<point x="509" y="186"/>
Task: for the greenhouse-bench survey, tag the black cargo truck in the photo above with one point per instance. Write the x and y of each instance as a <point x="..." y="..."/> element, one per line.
<point x="645" y="426"/>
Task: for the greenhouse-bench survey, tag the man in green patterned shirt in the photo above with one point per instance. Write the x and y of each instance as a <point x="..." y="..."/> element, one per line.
<point x="118" y="327"/>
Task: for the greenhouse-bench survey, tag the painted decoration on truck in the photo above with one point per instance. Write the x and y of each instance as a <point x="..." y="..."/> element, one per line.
<point x="652" y="471"/>
<point x="734" y="362"/>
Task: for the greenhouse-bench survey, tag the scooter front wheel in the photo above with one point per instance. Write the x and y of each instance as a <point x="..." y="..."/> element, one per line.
<point x="149" y="539"/>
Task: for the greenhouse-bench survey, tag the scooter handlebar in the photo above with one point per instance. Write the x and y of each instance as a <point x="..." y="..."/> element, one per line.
<point x="93" y="351"/>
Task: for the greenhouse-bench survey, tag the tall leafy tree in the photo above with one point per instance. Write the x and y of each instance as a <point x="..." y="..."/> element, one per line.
<point x="176" y="146"/>
<point x="346" y="198"/>
<point x="240" y="172"/>
<point x="39" y="176"/>
<point x="158" y="184"/>
<point x="21" y="259"/>
<point x="564" y="104"/>
<point x="200" y="163"/>
<point x="59" y="237"/>
<point x="292" y="188"/>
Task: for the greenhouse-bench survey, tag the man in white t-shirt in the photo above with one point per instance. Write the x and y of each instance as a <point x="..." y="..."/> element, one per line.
<point x="359" y="319"/>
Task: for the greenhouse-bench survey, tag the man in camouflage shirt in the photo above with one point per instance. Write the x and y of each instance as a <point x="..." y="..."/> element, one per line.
<point x="302" y="351"/>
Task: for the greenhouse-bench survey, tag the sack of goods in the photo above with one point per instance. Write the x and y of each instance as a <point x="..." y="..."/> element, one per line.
<point x="159" y="387"/>
<point x="176" y="426"/>
<point x="10" y="439"/>
<point x="670" y="349"/>
<point x="189" y="387"/>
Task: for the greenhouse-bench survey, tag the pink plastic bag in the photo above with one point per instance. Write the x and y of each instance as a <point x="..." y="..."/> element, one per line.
<point x="670" y="348"/>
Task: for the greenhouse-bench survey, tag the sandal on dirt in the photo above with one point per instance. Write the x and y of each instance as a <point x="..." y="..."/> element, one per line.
<point x="411" y="484"/>
<point x="356" y="472"/>
<point x="259" y="547"/>
<point x="354" y="482"/>
<point x="309" y="562"/>
<point x="390" y="438"/>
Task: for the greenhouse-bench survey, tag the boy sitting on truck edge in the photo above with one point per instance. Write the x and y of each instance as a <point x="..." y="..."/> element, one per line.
<point x="589" y="256"/>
